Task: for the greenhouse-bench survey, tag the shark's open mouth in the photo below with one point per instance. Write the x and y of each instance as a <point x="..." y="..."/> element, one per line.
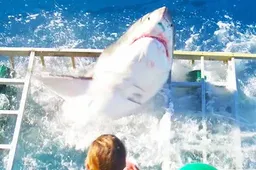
<point x="161" y="40"/>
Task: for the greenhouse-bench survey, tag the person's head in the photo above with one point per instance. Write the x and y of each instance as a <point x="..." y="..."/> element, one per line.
<point x="107" y="152"/>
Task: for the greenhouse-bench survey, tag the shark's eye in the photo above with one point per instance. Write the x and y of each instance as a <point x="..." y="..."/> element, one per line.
<point x="148" y="18"/>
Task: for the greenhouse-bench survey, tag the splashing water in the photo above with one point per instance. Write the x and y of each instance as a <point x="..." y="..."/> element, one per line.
<point x="50" y="139"/>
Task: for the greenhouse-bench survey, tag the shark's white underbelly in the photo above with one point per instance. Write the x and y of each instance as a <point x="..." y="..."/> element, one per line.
<point x="118" y="89"/>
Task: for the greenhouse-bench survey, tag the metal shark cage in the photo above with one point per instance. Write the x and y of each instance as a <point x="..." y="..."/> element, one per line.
<point x="32" y="53"/>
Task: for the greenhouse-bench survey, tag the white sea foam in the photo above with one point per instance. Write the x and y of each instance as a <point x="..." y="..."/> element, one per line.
<point x="48" y="133"/>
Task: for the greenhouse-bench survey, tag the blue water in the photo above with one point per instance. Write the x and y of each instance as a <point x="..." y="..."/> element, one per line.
<point x="207" y="25"/>
<point x="22" y="30"/>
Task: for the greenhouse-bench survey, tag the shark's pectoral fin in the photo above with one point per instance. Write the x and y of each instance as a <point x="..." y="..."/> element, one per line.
<point x="66" y="86"/>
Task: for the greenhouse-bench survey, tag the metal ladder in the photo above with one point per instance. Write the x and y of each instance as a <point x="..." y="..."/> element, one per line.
<point x="202" y="84"/>
<point x="19" y="113"/>
<point x="179" y="55"/>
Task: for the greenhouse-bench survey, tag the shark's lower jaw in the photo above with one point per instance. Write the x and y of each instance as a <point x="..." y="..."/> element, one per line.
<point x="161" y="40"/>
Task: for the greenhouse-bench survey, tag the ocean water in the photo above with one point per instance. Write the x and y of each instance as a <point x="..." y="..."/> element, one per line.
<point x="50" y="139"/>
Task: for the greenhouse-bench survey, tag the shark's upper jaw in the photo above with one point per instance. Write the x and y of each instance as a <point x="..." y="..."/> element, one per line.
<point x="166" y="14"/>
<point x="164" y="24"/>
<point x="161" y="40"/>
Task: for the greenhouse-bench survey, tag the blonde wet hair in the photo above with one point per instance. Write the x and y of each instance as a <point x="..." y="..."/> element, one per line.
<point x="107" y="152"/>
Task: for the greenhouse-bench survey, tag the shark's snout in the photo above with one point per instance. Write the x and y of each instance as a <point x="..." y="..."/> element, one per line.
<point x="165" y="12"/>
<point x="167" y="15"/>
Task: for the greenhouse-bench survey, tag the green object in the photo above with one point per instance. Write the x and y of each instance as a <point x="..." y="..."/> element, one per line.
<point x="8" y="91"/>
<point x="198" y="166"/>
<point x="5" y="72"/>
<point x="194" y="76"/>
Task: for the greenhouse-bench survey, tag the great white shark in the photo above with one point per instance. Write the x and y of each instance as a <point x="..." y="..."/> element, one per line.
<point x="128" y="73"/>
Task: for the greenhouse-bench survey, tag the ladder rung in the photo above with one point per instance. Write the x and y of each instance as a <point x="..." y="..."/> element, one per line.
<point x="248" y="135"/>
<point x="248" y="149"/>
<point x="186" y="84"/>
<point x="9" y="112"/>
<point x="9" y="81"/>
<point x="197" y="84"/>
<point x="5" y="146"/>
<point x="219" y="84"/>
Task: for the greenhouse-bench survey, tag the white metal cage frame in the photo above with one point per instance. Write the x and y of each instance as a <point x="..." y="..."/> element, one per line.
<point x="226" y="57"/>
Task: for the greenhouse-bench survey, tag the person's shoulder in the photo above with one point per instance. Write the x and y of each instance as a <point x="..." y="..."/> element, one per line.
<point x="130" y="166"/>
